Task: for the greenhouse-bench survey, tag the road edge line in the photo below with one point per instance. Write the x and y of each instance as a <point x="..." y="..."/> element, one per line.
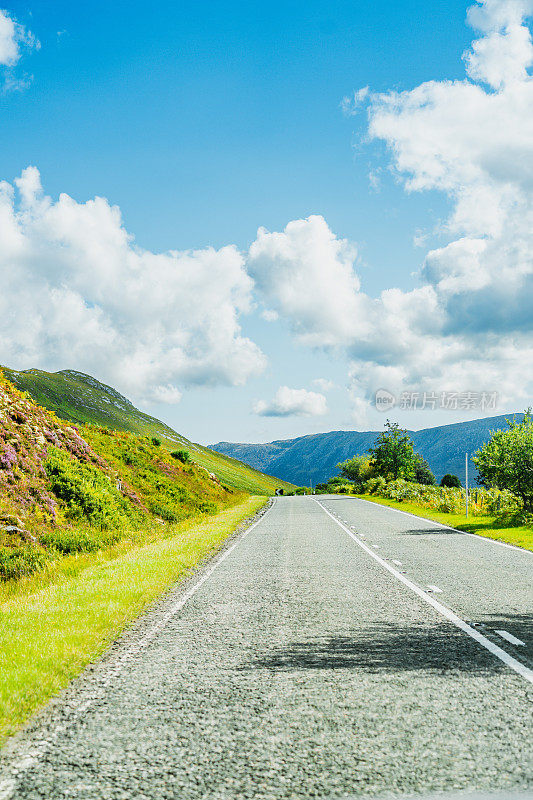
<point x="497" y="651"/>
<point x="449" y="527"/>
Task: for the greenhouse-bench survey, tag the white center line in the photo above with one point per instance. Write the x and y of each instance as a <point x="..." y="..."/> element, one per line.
<point x="497" y="651"/>
<point x="433" y="588"/>
<point x="510" y="638"/>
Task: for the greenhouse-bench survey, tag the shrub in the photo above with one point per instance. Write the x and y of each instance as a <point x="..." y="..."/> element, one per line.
<point x="357" y="469"/>
<point x="450" y="481"/>
<point x="156" y="442"/>
<point x="165" y="510"/>
<point x="72" y="540"/>
<point x="181" y="455"/>
<point x="375" y="485"/>
<point x="86" y="492"/>
<point x="423" y="474"/>
<point x="17" y="562"/>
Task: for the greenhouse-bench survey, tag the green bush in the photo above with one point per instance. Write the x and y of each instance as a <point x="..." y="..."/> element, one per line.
<point x="156" y="442"/>
<point x="375" y="485"/>
<point x="72" y="540"/>
<point x="165" y="510"/>
<point x="448" y="500"/>
<point x="86" y="492"/>
<point x="17" y="562"/>
<point x="450" y="481"/>
<point x="181" y="455"/>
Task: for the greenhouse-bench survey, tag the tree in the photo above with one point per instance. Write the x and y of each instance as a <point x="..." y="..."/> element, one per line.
<point x="423" y="474"/>
<point x="356" y="469"/>
<point x="506" y="461"/>
<point x="450" y="481"/>
<point x="393" y="454"/>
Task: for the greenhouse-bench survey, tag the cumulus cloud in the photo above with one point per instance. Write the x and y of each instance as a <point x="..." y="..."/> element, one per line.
<point x="468" y="323"/>
<point x="14" y="40"/>
<point x="77" y="291"/>
<point x="292" y="403"/>
<point x="476" y="145"/>
<point x="306" y="274"/>
<point x="505" y="51"/>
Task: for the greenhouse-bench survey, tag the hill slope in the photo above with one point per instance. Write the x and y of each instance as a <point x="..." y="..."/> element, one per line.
<point x="80" y="398"/>
<point x="65" y="489"/>
<point x="314" y="458"/>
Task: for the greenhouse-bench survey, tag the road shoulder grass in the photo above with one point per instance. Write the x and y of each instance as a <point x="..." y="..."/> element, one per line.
<point x="54" y="625"/>
<point x="490" y="527"/>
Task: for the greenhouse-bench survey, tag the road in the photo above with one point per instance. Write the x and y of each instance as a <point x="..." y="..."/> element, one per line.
<point x="322" y="656"/>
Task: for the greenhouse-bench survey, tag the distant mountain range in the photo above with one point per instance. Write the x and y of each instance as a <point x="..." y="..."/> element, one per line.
<point x="314" y="458"/>
<point x="82" y="399"/>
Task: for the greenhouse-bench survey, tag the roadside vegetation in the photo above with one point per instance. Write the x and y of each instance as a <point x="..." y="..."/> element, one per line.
<point x="67" y="490"/>
<point x="94" y="525"/>
<point x="56" y="621"/>
<point x="84" y="401"/>
<point x="393" y="474"/>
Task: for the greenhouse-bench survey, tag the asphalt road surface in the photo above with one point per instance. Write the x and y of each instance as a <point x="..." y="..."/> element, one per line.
<point x="339" y="648"/>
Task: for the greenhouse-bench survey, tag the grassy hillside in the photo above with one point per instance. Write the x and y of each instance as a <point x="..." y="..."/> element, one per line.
<point x="82" y="399"/>
<point x="66" y="490"/>
<point x="315" y="457"/>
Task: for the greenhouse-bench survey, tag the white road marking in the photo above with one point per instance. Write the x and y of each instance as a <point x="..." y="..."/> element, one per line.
<point x="399" y="563"/>
<point x="448" y="527"/>
<point x="510" y="638"/>
<point x="507" y="659"/>
<point x="35" y="750"/>
<point x="433" y="588"/>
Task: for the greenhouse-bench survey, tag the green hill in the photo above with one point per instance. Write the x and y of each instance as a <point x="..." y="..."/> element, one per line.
<point x="80" y="398"/>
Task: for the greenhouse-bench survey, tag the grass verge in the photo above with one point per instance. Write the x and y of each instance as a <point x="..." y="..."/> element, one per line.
<point x="53" y="624"/>
<point x="491" y="527"/>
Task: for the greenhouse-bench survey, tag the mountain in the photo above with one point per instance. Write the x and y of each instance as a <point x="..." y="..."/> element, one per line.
<point x="314" y="458"/>
<point x="82" y="399"/>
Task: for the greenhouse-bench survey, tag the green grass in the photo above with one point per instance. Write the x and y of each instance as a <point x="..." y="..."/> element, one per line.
<point x="84" y="400"/>
<point x="54" y="623"/>
<point x="237" y="474"/>
<point x="491" y="527"/>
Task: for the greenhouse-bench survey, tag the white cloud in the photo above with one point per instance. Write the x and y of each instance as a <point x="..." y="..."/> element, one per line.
<point x="468" y="325"/>
<point x="351" y="104"/>
<point x="77" y="292"/>
<point x="505" y="51"/>
<point x="476" y="145"/>
<point x="14" y="39"/>
<point x="269" y="316"/>
<point x="292" y="403"/>
<point x="306" y="274"/>
<point x="323" y="384"/>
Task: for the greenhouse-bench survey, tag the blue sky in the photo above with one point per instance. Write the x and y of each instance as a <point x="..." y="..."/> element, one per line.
<point x="206" y="121"/>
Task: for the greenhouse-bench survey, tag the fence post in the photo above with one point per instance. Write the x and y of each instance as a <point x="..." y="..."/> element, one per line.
<point x="466" y="482"/>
